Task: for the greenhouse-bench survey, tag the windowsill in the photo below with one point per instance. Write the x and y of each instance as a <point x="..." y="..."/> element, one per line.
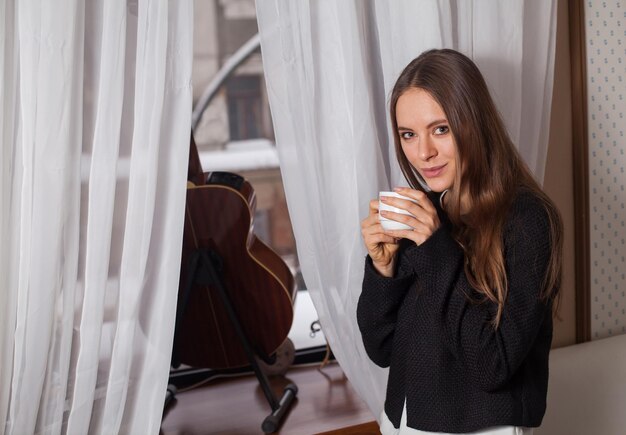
<point x="242" y="155"/>
<point x="304" y="315"/>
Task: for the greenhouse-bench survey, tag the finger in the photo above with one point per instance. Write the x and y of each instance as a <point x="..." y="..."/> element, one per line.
<point x="392" y="201"/>
<point x="373" y="206"/>
<point x="425" y="224"/>
<point x="382" y="238"/>
<point x="374" y="242"/>
<point x="369" y="221"/>
<point x="416" y="236"/>
<point x="426" y="214"/>
<point x="411" y="193"/>
<point x="373" y="229"/>
<point x="421" y="197"/>
<point x="413" y="206"/>
<point x="409" y="220"/>
<point x="402" y="234"/>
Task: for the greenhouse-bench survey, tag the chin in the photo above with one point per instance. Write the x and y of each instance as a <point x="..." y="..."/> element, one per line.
<point x="438" y="187"/>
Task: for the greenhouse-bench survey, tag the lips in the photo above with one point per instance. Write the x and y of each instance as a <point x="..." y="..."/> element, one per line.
<point x="432" y="172"/>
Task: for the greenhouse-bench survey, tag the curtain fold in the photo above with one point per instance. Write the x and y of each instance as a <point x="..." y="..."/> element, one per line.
<point x="109" y="92"/>
<point x="96" y="114"/>
<point x="329" y="70"/>
<point x="10" y="171"/>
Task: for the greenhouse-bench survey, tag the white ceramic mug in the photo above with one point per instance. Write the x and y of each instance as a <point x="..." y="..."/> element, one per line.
<point x="389" y="224"/>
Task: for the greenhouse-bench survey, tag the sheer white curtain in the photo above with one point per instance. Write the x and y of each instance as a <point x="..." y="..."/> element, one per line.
<point x="329" y="69"/>
<point x="95" y="121"/>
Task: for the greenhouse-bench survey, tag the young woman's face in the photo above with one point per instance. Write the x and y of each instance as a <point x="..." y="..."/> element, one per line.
<point x="426" y="138"/>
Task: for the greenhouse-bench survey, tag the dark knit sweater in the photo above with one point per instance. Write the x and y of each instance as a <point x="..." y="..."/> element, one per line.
<point x="456" y="372"/>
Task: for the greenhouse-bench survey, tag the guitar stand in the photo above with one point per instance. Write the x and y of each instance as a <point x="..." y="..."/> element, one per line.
<point x="204" y="266"/>
<point x="170" y="394"/>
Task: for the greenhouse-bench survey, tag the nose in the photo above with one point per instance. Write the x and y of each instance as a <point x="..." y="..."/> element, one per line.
<point x="427" y="149"/>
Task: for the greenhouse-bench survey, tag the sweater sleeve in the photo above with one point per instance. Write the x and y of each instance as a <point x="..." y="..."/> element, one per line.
<point x="377" y="308"/>
<point x="490" y="356"/>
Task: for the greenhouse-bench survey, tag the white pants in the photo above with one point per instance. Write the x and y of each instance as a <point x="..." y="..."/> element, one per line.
<point x="386" y="428"/>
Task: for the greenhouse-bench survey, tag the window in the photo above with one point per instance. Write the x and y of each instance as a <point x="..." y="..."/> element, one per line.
<point x="235" y="134"/>
<point x="244" y="107"/>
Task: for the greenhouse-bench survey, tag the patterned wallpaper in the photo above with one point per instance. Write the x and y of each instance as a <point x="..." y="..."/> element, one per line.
<point x="606" y="93"/>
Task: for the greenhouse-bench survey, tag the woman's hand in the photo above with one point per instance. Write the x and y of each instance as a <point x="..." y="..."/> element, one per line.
<point x="381" y="247"/>
<point x="424" y="220"/>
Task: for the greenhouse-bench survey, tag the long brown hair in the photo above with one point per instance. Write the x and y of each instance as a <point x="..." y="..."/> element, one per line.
<point x="489" y="171"/>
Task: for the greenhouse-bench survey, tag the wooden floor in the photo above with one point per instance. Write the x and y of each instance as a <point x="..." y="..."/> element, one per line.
<point x="326" y="402"/>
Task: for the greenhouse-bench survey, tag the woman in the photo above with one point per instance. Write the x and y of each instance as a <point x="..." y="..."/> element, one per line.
<point x="460" y="307"/>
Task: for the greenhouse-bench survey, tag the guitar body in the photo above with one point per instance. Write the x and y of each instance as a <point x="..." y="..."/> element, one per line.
<point x="260" y="286"/>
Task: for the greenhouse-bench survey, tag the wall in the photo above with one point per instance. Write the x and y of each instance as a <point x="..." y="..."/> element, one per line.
<point x="559" y="178"/>
<point x="212" y="131"/>
<point x="605" y="29"/>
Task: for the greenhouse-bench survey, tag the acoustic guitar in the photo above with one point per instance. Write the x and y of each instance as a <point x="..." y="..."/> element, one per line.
<point x="219" y="220"/>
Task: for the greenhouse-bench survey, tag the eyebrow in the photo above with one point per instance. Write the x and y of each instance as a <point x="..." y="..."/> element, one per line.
<point x="433" y="123"/>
